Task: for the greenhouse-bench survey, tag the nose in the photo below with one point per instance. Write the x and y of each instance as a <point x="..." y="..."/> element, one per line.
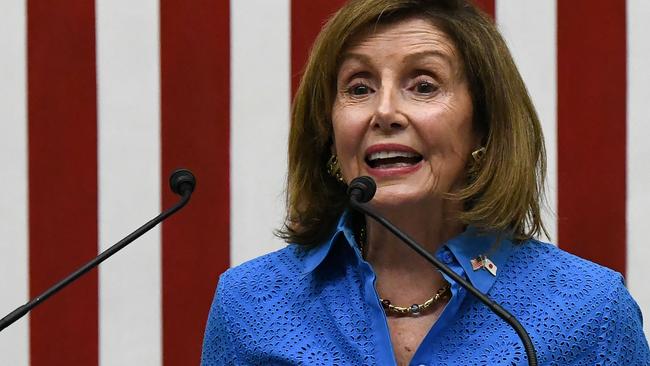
<point x="387" y="116"/>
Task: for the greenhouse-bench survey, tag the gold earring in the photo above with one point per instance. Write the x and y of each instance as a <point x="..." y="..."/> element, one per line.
<point x="334" y="169"/>
<point x="478" y="154"/>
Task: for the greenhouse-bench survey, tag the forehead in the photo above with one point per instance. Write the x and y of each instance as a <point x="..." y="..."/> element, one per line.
<point x="410" y="35"/>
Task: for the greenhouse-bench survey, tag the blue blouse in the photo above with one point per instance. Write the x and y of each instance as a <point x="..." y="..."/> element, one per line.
<point x="319" y="306"/>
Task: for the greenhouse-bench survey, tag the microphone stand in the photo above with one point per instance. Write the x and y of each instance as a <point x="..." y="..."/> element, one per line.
<point x="362" y="190"/>
<point x="182" y="182"/>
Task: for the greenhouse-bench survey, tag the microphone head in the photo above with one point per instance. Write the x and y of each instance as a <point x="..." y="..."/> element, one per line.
<point x="362" y="189"/>
<point x="181" y="181"/>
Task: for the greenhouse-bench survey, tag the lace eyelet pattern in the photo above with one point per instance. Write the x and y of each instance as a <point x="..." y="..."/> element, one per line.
<point x="267" y="312"/>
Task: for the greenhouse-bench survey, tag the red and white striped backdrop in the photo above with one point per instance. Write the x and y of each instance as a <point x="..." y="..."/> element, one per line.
<point x="99" y="101"/>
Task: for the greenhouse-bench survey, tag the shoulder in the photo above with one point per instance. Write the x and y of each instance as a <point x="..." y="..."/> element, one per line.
<point x="560" y="282"/>
<point x="547" y="261"/>
<point x="249" y="299"/>
<point x="263" y="277"/>
<point x="579" y="310"/>
<point x="550" y="274"/>
<point x="555" y="275"/>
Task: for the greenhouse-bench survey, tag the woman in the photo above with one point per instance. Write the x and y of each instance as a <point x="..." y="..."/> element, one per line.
<point x="424" y="97"/>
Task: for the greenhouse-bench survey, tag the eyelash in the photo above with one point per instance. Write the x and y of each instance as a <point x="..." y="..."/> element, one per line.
<point x="350" y="90"/>
<point x="424" y="82"/>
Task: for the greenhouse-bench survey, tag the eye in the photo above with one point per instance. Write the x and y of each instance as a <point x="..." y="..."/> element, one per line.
<point x="425" y="87"/>
<point x="359" y="89"/>
<point x="423" y="83"/>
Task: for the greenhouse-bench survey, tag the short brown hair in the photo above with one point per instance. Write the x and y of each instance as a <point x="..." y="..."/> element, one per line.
<point x="505" y="189"/>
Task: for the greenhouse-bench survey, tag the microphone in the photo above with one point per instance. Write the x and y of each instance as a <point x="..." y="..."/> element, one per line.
<point x="182" y="182"/>
<point x="362" y="189"/>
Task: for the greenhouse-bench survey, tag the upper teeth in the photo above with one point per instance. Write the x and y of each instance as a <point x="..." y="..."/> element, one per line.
<point x="391" y="154"/>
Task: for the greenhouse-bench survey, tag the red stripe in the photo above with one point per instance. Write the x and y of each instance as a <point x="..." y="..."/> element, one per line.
<point x="62" y="178"/>
<point x="307" y="19"/>
<point x="487" y="6"/>
<point x="195" y="86"/>
<point x="592" y="130"/>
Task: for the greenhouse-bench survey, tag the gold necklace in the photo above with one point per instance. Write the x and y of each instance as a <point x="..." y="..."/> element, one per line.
<point x="415" y="309"/>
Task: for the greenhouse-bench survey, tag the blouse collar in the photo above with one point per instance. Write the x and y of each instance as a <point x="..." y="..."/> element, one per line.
<point x="461" y="249"/>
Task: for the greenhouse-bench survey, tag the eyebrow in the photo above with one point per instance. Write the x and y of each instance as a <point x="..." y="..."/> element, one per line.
<point x="355" y="56"/>
<point x="437" y="54"/>
<point x="409" y="58"/>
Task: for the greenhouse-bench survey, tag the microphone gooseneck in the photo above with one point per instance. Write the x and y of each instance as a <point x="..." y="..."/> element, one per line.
<point x="181" y="182"/>
<point x="362" y="189"/>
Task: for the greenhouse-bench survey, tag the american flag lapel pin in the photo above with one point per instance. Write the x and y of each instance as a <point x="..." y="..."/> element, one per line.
<point x="484" y="262"/>
<point x="478" y="262"/>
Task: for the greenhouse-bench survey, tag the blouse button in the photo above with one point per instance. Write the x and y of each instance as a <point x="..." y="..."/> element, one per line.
<point x="446" y="257"/>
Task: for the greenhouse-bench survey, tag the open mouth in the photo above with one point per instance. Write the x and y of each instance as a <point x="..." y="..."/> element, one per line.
<point x="392" y="159"/>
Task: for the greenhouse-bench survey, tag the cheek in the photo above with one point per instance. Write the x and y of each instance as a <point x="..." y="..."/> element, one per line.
<point x="449" y="140"/>
<point x="447" y="136"/>
<point x="349" y="125"/>
<point x="349" y="130"/>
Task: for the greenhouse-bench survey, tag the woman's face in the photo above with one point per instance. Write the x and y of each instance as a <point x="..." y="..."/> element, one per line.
<point x="403" y="113"/>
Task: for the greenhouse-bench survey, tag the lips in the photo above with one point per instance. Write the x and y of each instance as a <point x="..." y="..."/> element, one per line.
<point x="391" y="156"/>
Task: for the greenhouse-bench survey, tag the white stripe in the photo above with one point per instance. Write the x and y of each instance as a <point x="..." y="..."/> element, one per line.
<point x="129" y="180"/>
<point x="529" y="27"/>
<point x="14" y="282"/>
<point x="260" y="97"/>
<point x="638" y="153"/>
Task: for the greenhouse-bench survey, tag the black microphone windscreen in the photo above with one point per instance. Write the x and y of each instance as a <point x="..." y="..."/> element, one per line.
<point x="182" y="180"/>
<point x="362" y="189"/>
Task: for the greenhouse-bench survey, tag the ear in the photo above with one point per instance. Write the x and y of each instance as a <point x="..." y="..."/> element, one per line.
<point x="478" y="140"/>
<point x="479" y="133"/>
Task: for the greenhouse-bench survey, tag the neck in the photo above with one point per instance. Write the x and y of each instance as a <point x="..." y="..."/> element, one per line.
<point x="401" y="272"/>
<point x="428" y="224"/>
